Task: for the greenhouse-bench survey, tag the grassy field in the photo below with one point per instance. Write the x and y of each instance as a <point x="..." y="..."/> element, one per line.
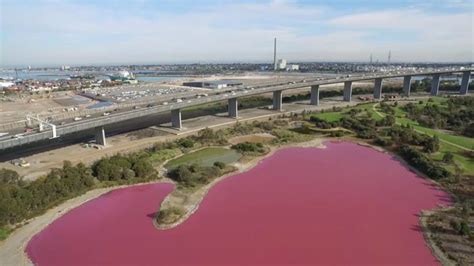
<point x="329" y="116"/>
<point x="366" y="108"/>
<point x="163" y="155"/>
<point x="400" y="116"/>
<point x="206" y="157"/>
<point x="449" y="142"/>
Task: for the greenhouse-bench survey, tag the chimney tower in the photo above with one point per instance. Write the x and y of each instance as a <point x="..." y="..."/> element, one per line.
<point x="275" y="54"/>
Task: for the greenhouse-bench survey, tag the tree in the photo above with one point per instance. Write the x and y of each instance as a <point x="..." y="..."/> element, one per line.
<point x="469" y="130"/>
<point x="186" y="143"/>
<point x="219" y="165"/>
<point x="143" y="168"/>
<point x="431" y="144"/>
<point x="8" y="176"/>
<point x="448" y="157"/>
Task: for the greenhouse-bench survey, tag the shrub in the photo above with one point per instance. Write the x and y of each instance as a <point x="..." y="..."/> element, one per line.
<point x="422" y="162"/>
<point x="431" y="145"/>
<point x="448" y="157"/>
<point x="186" y="143"/>
<point x="170" y="215"/>
<point x="220" y="165"/>
<point x="248" y="147"/>
<point x="382" y="141"/>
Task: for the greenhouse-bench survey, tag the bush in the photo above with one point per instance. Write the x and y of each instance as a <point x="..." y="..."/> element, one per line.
<point x="194" y="175"/>
<point x="448" y="157"/>
<point x="170" y="215"/>
<point x="8" y="176"/>
<point x="120" y="167"/>
<point x="186" y="143"/>
<point x="220" y="165"/>
<point x="382" y="141"/>
<point x="431" y="145"/>
<point x="248" y="147"/>
<point x="336" y="134"/>
<point x="422" y="163"/>
<point x="209" y="136"/>
<point x="22" y="200"/>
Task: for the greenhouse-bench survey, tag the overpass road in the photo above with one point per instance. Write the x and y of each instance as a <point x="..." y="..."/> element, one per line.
<point x="231" y="95"/>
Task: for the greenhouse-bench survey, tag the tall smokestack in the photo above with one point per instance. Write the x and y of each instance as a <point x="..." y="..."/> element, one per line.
<point x="275" y="54"/>
<point x="389" y="56"/>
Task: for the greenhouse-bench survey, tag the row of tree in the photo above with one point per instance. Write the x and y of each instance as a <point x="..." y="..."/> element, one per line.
<point x="457" y="115"/>
<point x="20" y="200"/>
<point x="385" y="132"/>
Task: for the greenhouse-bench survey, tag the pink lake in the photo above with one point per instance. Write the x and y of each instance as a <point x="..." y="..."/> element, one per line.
<point x="345" y="204"/>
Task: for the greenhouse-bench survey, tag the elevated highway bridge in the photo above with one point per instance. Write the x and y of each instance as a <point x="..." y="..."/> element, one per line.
<point x="231" y="95"/>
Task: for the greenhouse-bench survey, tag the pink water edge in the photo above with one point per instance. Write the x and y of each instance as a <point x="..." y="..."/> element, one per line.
<point x="345" y="204"/>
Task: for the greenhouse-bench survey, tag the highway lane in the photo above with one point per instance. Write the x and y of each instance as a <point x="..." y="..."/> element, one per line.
<point x="218" y="95"/>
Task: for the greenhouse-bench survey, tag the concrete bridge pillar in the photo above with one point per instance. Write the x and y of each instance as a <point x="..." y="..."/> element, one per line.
<point x="378" y="88"/>
<point x="406" y="85"/>
<point x="277" y="100"/>
<point x="435" y="85"/>
<point x="100" y="136"/>
<point x="176" y="119"/>
<point x="233" y="108"/>
<point x="314" y="95"/>
<point x="347" y="91"/>
<point x="465" y="82"/>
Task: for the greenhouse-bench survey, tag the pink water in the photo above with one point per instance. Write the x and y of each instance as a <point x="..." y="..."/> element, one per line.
<point x="346" y="204"/>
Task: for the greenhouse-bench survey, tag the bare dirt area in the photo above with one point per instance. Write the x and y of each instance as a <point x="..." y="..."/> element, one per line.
<point x="17" y="109"/>
<point x="41" y="163"/>
<point x="254" y="138"/>
<point x="448" y="236"/>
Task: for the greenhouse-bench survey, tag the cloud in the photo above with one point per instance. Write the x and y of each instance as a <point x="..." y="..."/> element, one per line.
<point x="62" y="32"/>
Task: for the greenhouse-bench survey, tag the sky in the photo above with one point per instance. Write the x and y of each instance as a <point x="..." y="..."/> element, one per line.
<point x="87" y="32"/>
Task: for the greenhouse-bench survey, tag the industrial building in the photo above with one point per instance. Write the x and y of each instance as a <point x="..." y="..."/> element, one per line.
<point x="292" y="67"/>
<point x="213" y="84"/>
<point x="281" y="65"/>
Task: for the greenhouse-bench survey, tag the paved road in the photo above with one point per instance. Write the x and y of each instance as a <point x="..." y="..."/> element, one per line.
<point x="219" y="95"/>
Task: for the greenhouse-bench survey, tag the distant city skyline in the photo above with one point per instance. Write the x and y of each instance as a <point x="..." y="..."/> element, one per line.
<point x="74" y="32"/>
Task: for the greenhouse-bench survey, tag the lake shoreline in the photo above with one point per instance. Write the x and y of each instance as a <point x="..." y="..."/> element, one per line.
<point x="13" y="249"/>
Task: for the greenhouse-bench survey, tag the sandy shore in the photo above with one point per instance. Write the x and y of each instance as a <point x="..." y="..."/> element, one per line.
<point x="12" y="250"/>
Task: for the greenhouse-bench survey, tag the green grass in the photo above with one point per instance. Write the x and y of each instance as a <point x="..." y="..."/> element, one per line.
<point x="329" y="116"/>
<point x="465" y="163"/>
<point x="368" y="108"/>
<point x="458" y="140"/>
<point x="163" y="155"/>
<point x="4" y="232"/>
<point x="205" y="157"/>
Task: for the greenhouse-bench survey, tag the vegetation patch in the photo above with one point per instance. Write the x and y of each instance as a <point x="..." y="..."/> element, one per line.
<point x="170" y="215"/>
<point x="286" y="136"/>
<point x="452" y="234"/>
<point x="249" y="148"/>
<point x="205" y="157"/>
<point x="253" y="138"/>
